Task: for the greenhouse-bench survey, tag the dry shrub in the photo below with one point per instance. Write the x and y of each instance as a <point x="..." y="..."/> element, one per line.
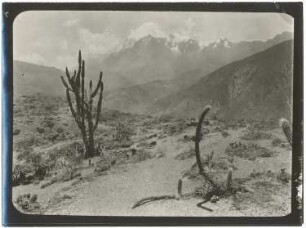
<point x="123" y="132"/>
<point x="248" y="151"/>
<point x="40" y="130"/>
<point x="225" y="134"/>
<point x="216" y="167"/>
<point x="28" y="203"/>
<point x="263" y="185"/>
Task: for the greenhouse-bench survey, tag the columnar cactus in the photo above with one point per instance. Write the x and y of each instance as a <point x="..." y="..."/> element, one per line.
<point x="82" y="107"/>
<point x="287" y="130"/>
<point x="229" y="179"/>
<point x="197" y="146"/>
<point x="179" y="187"/>
<point x="198" y="138"/>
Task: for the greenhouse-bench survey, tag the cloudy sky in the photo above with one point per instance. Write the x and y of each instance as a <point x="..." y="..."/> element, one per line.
<point x="53" y="38"/>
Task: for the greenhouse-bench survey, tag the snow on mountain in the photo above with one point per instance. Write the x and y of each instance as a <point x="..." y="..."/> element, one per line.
<point x="221" y="42"/>
<point x="172" y="41"/>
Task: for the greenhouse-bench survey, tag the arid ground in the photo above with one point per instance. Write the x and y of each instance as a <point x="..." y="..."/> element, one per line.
<point x="145" y="156"/>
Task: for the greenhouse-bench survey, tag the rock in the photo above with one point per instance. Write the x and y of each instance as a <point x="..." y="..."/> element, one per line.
<point x="33" y="198"/>
<point x="214" y="199"/>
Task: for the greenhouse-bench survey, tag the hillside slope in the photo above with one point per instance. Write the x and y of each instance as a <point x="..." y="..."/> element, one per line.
<point x="30" y="79"/>
<point x="258" y="87"/>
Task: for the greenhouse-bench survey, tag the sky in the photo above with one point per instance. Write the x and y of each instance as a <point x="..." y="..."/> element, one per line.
<point x="53" y="38"/>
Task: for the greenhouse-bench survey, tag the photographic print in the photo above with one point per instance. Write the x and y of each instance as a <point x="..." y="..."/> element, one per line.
<point x="152" y="113"/>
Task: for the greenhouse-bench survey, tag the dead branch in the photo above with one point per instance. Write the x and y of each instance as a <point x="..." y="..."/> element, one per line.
<point x="200" y="205"/>
<point x="151" y="199"/>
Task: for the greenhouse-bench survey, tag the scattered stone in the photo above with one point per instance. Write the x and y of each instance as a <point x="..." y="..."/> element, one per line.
<point x="214" y="199"/>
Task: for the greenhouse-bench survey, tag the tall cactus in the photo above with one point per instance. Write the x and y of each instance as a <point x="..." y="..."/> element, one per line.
<point x="82" y="108"/>
<point x="287" y="130"/>
<point x="197" y="146"/>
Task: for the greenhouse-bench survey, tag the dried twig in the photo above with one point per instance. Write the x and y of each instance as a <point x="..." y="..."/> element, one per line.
<point x="152" y="198"/>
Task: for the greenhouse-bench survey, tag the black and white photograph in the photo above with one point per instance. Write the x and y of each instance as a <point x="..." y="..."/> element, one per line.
<point x="153" y="113"/>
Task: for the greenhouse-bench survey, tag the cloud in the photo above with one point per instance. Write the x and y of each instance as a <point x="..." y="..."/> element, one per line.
<point x="33" y="58"/>
<point x="98" y="43"/>
<point x="70" y="23"/>
<point x="148" y="28"/>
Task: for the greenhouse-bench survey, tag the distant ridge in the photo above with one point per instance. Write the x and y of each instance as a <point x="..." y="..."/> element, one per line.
<point x="258" y="87"/>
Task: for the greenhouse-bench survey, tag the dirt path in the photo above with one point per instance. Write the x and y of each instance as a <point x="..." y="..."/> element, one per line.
<point x="115" y="193"/>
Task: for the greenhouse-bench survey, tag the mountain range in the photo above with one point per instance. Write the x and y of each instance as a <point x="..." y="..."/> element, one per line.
<point x="257" y="87"/>
<point x="160" y="75"/>
<point x="154" y="58"/>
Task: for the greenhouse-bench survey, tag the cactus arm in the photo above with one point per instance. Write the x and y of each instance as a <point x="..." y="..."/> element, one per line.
<point x="179" y="187"/>
<point x="197" y="147"/>
<point x="99" y="106"/>
<point x="82" y="87"/>
<point x="65" y="84"/>
<point x="98" y="86"/>
<point x="71" y="106"/>
<point x="229" y="179"/>
<point x="198" y="138"/>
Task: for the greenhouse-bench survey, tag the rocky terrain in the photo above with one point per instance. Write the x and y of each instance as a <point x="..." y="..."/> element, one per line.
<point x="144" y="156"/>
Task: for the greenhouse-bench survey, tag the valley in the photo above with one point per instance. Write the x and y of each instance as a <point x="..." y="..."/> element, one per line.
<point x="155" y="90"/>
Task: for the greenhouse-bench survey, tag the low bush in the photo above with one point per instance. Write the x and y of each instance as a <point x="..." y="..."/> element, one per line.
<point x="28" y="202"/>
<point x="123" y="133"/>
<point x="225" y="134"/>
<point x="248" y="151"/>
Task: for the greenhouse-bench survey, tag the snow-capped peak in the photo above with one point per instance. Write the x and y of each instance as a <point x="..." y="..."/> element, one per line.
<point x="221" y="42"/>
<point x="171" y="40"/>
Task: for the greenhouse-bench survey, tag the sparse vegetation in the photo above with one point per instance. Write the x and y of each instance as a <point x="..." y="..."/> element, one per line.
<point x="136" y="140"/>
<point x="122" y="132"/>
<point x="28" y="203"/>
<point x="71" y="156"/>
